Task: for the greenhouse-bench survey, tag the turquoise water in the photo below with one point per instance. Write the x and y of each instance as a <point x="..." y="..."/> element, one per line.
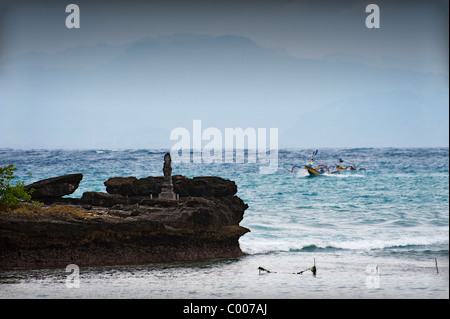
<point x="372" y="234"/>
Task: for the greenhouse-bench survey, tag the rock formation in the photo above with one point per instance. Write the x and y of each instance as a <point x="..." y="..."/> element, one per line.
<point x="125" y="225"/>
<point x="203" y="186"/>
<point x="55" y="187"/>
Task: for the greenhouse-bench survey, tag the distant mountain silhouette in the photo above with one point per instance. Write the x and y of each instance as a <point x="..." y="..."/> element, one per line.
<point x="134" y="95"/>
<point x="73" y="58"/>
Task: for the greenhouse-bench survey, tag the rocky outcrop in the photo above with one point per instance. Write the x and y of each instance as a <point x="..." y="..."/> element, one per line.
<point x="203" y="186"/>
<point x="131" y="186"/>
<point x="55" y="187"/>
<point x="126" y="226"/>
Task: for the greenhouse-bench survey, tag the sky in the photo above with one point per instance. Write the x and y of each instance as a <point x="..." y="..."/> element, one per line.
<point x="129" y="74"/>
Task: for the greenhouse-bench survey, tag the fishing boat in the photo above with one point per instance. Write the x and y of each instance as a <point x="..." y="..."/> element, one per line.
<point x="349" y="168"/>
<point x="352" y="167"/>
<point x="324" y="169"/>
<point x="312" y="171"/>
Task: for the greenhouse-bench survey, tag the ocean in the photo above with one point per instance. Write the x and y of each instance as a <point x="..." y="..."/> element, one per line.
<point x="382" y="232"/>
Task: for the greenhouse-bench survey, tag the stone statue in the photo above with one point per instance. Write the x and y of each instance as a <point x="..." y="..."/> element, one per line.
<point x="167" y="186"/>
<point x="167" y="169"/>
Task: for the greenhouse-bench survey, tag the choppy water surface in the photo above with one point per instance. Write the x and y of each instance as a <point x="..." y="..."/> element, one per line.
<point x="373" y="233"/>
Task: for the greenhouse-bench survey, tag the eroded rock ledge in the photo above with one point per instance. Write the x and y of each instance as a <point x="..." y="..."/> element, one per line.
<point x="126" y="226"/>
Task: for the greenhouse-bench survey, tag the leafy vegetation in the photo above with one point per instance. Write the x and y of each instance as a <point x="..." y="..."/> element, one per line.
<point x="10" y="195"/>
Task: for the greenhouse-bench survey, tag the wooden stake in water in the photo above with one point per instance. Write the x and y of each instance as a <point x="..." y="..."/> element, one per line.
<point x="437" y="269"/>
<point x="263" y="269"/>
<point x="313" y="268"/>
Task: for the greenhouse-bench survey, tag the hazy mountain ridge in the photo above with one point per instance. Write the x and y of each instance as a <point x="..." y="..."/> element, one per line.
<point x="135" y="94"/>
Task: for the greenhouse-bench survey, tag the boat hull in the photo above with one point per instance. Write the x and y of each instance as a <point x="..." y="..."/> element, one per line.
<point x="312" y="171"/>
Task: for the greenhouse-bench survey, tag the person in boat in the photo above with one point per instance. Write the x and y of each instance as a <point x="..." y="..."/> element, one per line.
<point x="339" y="166"/>
<point x="311" y="161"/>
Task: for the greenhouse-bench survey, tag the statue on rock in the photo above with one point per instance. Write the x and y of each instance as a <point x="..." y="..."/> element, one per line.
<point x="167" y="186"/>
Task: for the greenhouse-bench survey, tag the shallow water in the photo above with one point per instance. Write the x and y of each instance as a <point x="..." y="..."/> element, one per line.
<point x="339" y="275"/>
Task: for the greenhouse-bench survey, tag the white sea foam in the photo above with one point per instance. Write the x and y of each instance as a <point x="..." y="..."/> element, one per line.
<point x="284" y="245"/>
<point x="301" y="173"/>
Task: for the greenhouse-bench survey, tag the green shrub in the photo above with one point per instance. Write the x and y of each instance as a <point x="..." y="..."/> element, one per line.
<point x="9" y="194"/>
